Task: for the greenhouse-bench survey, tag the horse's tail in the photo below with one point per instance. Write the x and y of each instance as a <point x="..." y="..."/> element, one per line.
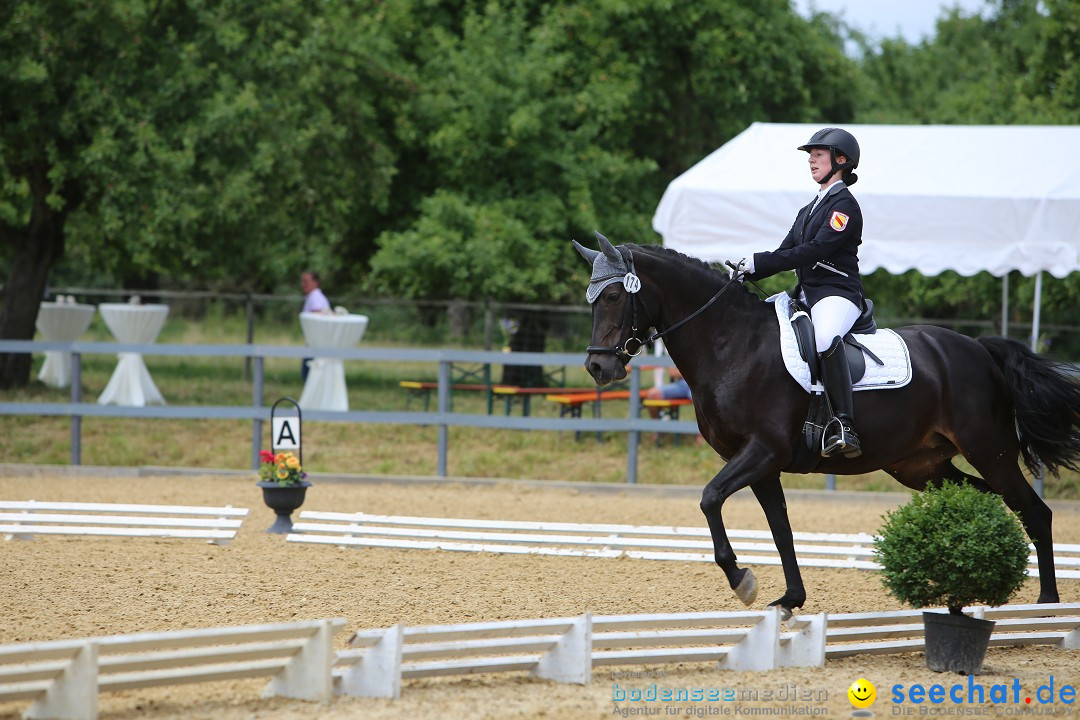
<point x="1046" y="398"/>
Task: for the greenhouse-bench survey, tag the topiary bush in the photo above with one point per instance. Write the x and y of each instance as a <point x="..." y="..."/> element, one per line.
<point x="952" y="545"/>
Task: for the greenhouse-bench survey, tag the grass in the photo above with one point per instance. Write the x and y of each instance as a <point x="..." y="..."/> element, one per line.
<point x="346" y="447"/>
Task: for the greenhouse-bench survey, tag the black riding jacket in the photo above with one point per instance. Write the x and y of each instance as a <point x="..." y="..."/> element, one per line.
<point x="822" y="249"/>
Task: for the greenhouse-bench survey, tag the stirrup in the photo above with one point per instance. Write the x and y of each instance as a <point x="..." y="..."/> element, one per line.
<point x="843" y="441"/>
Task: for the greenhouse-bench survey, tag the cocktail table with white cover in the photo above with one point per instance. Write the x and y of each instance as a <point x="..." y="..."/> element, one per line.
<point x="62" y="322"/>
<point x="325" y="385"/>
<point x="131" y="383"/>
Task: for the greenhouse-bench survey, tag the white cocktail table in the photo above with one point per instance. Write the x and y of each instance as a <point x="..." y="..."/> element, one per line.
<point x="131" y="383"/>
<point x="62" y="322"/>
<point x="325" y="385"/>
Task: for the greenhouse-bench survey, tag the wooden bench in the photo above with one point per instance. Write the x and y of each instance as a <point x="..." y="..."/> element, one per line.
<point x="22" y="520"/>
<point x="572" y="403"/>
<point x="63" y="678"/>
<point x="668" y="409"/>
<point x="423" y="389"/>
<point x="511" y="394"/>
<point x="508" y="393"/>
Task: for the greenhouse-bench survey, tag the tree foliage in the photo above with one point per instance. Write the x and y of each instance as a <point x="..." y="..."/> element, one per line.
<point x="225" y="143"/>
<point x="439" y="148"/>
<point x="540" y="122"/>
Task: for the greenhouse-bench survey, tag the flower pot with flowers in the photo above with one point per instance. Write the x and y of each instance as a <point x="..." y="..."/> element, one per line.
<point x="954" y="546"/>
<point x="282" y="481"/>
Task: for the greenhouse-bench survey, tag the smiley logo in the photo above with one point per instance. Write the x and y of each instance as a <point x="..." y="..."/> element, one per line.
<point x="862" y="693"/>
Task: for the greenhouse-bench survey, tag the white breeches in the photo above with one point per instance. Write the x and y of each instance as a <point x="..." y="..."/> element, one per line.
<point x="832" y="316"/>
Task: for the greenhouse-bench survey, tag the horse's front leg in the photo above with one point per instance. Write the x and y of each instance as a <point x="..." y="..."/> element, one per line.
<point x="770" y="495"/>
<point x="743" y="469"/>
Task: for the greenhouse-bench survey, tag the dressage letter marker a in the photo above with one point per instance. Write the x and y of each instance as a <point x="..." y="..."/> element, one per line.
<point x="285" y="430"/>
<point x="286" y="433"/>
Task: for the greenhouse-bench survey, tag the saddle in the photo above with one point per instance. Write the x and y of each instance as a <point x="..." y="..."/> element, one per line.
<point x="855" y="351"/>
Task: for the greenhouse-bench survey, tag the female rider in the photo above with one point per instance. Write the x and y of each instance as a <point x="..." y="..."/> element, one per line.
<point x="822" y="248"/>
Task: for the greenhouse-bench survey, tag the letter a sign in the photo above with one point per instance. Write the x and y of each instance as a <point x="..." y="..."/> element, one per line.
<point x="286" y="433"/>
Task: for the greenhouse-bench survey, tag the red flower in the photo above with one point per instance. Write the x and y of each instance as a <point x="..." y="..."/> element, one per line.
<point x="266" y="456"/>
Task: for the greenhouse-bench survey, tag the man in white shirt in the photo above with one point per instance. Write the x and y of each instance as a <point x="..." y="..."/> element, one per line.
<point x="314" y="299"/>
<point x="315" y="302"/>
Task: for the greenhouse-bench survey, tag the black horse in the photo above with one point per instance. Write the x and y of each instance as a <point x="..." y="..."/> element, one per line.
<point x="991" y="400"/>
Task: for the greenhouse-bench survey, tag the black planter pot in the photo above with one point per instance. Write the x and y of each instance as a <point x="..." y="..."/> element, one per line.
<point x="283" y="500"/>
<point x="956" y="643"/>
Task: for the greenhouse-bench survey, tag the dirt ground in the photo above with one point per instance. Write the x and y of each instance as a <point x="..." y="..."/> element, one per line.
<point x="58" y="588"/>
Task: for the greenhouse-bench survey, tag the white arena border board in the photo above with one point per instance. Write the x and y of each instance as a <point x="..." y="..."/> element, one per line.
<point x="568" y="649"/>
<point x="63" y="678"/>
<point x="646" y="542"/>
<point x="22" y="520"/>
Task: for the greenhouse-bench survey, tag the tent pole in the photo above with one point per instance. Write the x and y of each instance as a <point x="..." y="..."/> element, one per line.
<point x="1035" y="313"/>
<point x="1005" y="304"/>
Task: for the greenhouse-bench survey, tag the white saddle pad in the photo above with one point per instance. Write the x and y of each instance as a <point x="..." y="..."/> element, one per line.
<point x="886" y="344"/>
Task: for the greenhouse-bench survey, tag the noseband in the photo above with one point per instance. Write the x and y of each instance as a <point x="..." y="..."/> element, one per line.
<point x="623" y="352"/>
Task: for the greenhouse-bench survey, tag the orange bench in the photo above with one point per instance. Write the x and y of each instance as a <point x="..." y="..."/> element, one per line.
<point x="571" y="403"/>
<point x="669" y="409"/>
<point x="511" y="394"/>
<point x="421" y="388"/>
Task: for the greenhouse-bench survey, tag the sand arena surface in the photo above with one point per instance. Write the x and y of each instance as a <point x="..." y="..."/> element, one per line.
<point x="58" y="588"/>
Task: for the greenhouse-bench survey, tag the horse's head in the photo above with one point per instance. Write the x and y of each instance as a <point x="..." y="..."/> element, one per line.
<point x="617" y="316"/>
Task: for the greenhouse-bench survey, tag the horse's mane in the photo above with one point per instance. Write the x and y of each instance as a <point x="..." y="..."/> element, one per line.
<point x="690" y="263"/>
<point x="672" y="254"/>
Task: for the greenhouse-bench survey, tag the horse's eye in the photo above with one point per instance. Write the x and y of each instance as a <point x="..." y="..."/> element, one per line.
<point x="612" y="297"/>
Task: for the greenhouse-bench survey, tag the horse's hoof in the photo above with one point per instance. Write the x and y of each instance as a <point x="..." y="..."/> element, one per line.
<point x="746" y="590"/>
<point x="785" y="613"/>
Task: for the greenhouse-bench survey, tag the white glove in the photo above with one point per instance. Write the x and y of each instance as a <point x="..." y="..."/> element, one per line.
<point x="737" y="271"/>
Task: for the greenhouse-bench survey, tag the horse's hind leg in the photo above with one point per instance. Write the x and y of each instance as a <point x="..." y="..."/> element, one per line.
<point x="1002" y="473"/>
<point x="1002" y="477"/>
<point x="770" y="495"/>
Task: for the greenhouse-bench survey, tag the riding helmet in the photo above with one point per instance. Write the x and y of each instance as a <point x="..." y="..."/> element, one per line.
<point x="840" y="141"/>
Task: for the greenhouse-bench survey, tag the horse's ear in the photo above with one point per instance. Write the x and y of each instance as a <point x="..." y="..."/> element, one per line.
<point x="586" y="253"/>
<point x="608" y="248"/>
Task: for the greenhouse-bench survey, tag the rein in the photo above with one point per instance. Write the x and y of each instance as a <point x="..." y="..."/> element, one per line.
<point x="623" y="352"/>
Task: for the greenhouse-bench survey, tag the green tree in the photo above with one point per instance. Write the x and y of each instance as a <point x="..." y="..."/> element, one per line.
<point x="228" y="142"/>
<point x="540" y="122"/>
<point x="1014" y="63"/>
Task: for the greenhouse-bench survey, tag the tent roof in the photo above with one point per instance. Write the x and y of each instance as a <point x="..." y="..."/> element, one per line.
<point x="934" y="197"/>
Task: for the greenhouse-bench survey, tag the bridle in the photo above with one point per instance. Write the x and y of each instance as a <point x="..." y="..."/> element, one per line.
<point x="632" y="284"/>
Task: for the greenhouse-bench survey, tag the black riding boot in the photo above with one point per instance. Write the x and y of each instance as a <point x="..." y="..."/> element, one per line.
<point x="840" y="435"/>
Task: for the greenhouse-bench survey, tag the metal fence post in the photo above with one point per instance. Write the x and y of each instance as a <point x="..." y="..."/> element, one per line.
<point x="76" y="419"/>
<point x="249" y="312"/>
<point x="256" y="402"/>
<point x="444" y="407"/>
<point x="632" y="436"/>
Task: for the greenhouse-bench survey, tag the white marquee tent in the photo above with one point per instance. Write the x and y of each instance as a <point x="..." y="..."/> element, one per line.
<point x="934" y="197"/>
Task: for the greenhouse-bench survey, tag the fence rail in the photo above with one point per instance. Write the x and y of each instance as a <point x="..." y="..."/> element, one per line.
<point x="258" y="413"/>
